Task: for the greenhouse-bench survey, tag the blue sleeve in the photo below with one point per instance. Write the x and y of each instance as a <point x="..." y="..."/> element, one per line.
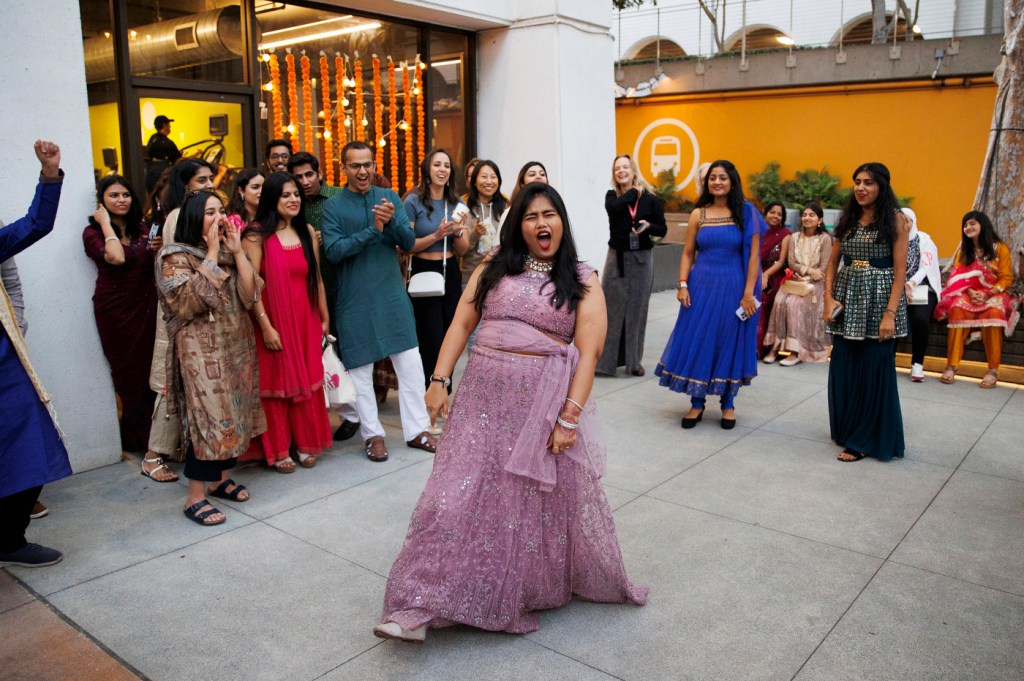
<point x="398" y="231"/>
<point x="20" y="234"/>
<point x="339" y="246"/>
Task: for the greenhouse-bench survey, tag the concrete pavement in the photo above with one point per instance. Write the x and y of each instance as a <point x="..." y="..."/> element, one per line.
<point x="766" y="557"/>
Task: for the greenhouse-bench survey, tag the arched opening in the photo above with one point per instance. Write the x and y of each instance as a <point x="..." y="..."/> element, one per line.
<point x="860" y="29"/>
<point x="761" y="37"/>
<point x="647" y="48"/>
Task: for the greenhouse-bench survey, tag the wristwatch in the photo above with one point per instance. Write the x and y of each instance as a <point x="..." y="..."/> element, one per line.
<point x="682" y="284"/>
<point x="444" y="380"/>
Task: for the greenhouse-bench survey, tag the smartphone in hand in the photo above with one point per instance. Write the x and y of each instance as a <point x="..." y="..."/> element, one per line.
<point x="742" y="314"/>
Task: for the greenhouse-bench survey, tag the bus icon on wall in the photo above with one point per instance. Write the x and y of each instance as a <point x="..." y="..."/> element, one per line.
<point x="666" y="154"/>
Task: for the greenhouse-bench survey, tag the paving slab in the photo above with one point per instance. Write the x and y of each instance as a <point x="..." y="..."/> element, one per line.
<point x="806" y="421"/>
<point x="940" y="433"/>
<point x="963" y="391"/>
<point x="254" y="603"/>
<point x="365" y="524"/>
<point x="40" y="646"/>
<point x="617" y="498"/>
<point x="110" y="518"/>
<point x="764" y="480"/>
<point x="972" y="531"/>
<point x="12" y="594"/>
<point x="912" y="624"/>
<point x="1000" y="450"/>
<point x="728" y="600"/>
<point x="464" y="654"/>
<point x="1015" y="404"/>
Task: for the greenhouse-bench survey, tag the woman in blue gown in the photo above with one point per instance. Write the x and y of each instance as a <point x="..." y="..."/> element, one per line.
<point x="712" y="351"/>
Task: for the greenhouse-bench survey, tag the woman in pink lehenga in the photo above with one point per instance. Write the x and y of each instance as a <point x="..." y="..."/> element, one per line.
<point x="513" y="519"/>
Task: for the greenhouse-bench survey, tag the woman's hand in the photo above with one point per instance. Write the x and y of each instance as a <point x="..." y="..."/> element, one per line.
<point x="325" y="326"/>
<point x="232" y="238"/>
<point x="561" y="439"/>
<point x="749" y="305"/>
<point x="764" y="281"/>
<point x="156" y="243"/>
<point x="977" y="297"/>
<point x="910" y="287"/>
<point x="437" y="401"/>
<point x="101" y="216"/>
<point x="480" y="228"/>
<point x="272" y="339"/>
<point x="830" y="304"/>
<point x="641" y="227"/>
<point x="683" y="296"/>
<point x="815" y="274"/>
<point x="212" y="238"/>
<point x="887" y="329"/>
<point x="447" y="228"/>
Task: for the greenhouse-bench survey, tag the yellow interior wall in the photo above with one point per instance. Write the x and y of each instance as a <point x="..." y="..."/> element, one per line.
<point x="105" y="133"/>
<point x="933" y="139"/>
<point x="192" y="124"/>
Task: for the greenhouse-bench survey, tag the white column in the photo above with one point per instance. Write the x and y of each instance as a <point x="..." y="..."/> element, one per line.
<point x="44" y="96"/>
<point x="545" y="94"/>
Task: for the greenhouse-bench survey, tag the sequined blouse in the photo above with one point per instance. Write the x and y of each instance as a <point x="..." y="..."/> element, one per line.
<point x="526" y="297"/>
<point x="864" y="290"/>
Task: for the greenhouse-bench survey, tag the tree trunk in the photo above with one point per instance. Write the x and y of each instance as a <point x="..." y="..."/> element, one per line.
<point x="879" y="26"/>
<point x="1001" y="190"/>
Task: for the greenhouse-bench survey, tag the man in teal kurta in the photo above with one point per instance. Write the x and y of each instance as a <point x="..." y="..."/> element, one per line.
<point x="305" y="168"/>
<point x="362" y="226"/>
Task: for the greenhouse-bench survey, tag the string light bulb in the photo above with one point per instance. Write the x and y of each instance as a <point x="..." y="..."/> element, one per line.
<point x="269" y="87"/>
<point x="290" y="128"/>
<point x="382" y="142"/>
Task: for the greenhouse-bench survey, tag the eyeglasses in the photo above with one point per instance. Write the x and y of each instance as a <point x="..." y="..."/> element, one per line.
<point x="356" y="167"/>
<point x="280" y="157"/>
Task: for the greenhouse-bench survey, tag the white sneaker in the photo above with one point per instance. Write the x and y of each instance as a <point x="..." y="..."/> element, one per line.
<point x="394" y="630"/>
<point x="917" y="373"/>
<point x="792" y="360"/>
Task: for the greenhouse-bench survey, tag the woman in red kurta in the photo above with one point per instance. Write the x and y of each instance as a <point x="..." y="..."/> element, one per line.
<point x="125" y="305"/>
<point x="290" y="324"/>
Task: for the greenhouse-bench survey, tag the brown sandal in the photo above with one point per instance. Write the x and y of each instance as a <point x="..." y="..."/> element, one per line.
<point x="376" y="450"/>
<point x="424" y="441"/>
<point x="985" y="382"/>
<point x="285" y="466"/>
<point x="948" y="375"/>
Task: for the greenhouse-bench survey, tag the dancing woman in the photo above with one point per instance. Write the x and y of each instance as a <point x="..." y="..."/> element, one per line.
<point x="712" y="348"/>
<point x="865" y="311"/>
<point x="513" y="519"/>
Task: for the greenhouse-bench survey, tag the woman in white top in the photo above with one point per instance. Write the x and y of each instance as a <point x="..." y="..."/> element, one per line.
<point x="922" y="274"/>
<point x="487" y="207"/>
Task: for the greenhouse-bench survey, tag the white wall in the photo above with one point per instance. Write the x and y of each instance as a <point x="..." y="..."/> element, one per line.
<point x="544" y="94"/>
<point x="44" y="97"/>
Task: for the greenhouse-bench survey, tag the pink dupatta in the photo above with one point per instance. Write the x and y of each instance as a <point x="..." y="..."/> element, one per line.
<point x="530" y="456"/>
<point x="978" y="275"/>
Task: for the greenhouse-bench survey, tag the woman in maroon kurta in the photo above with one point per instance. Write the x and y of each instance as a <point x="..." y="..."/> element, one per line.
<point x="773" y="266"/>
<point x="124" y="302"/>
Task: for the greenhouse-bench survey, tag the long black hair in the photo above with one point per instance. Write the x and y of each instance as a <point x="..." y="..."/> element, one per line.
<point x="511" y="257"/>
<point x="174" y="192"/>
<point x="423" y="190"/>
<point x="267" y="219"/>
<point x="816" y="209"/>
<point x="498" y="202"/>
<point x="735" y="200"/>
<point x="987" y="237"/>
<point x="885" y="206"/>
<point x="771" y="205"/>
<point x="521" y="177"/>
<point x="133" y="219"/>
<point x="236" y="204"/>
<point x="191" y="217"/>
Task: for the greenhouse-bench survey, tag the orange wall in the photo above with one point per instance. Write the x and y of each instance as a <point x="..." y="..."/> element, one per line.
<point x="933" y="139"/>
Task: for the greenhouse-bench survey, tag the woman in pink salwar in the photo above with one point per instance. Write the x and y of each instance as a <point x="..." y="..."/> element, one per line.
<point x="514" y="519"/>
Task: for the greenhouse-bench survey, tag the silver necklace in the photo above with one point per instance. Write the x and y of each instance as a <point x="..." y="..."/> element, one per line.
<point x="537" y="265"/>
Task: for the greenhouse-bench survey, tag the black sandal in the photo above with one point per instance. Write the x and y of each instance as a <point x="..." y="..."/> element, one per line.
<point x="221" y="491"/>
<point x="692" y="423"/>
<point x="193" y="514"/>
<point x="849" y="452"/>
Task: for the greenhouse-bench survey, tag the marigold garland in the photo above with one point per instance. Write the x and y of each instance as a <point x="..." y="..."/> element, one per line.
<point x="275" y="96"/>
<point x="407" y="128"/>
<point x="393" y="121"/>
<point x="307" y="105"/>
<point x="339" y="87"/>
<point x="378" y="116"/>
<point x="421" y="128"/>
<point x="360" y="111"/>
<point x="328" y="143"/>
<point x="293" y="101"/>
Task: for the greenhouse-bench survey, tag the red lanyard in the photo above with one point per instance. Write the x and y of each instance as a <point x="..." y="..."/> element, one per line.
<point x="633" y="208"/>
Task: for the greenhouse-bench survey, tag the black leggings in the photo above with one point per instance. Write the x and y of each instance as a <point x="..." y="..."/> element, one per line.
<point x="918" y="317"/>
<point x="435" y="314"/>
<point x="207" y="471"/>
<point x="15" y="510"/>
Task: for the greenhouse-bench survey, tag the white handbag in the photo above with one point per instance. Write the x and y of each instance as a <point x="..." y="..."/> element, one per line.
<point x="428" y="284"/>
<point x="338" y="386"/>
<point x="918" y="295"/>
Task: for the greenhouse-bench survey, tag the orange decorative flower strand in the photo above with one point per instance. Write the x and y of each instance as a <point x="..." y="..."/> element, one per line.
<point x="328" y="143"/>
<point x="421" y="128"/>
<point x="275" y="96"/>
<point x="307" y="105"/>
<point x="407" y="113"/>
<point x="339" y="88"/>
<point x="378" y="116"/>
<point x="393" y="121"/>
<point x="293" y="101"/>
<point x="360" y="111"/>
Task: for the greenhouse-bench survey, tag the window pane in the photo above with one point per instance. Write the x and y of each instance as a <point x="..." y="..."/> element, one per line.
<point x="447" y="93"/>
<point x="187" y="39"/>
<point x="102" y="88"/>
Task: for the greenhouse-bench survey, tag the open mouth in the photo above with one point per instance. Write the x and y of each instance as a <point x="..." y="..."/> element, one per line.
<point x="544" y="239"/>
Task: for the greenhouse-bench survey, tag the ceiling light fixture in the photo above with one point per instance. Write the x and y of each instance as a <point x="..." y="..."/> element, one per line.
<point x="318" y="36"/>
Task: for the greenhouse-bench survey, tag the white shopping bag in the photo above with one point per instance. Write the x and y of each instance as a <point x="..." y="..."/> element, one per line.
<point x="338" y="386"/>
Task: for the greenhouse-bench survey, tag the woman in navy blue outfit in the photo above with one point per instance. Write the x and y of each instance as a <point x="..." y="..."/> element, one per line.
<point x="712" y="350"/>
<point x="31" y="451"/>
